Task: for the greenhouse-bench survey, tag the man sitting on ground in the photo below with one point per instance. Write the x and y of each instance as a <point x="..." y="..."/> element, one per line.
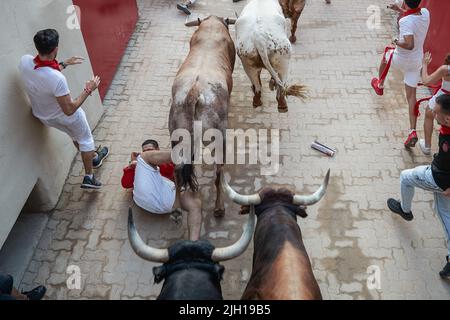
<point x="151" y="175"/>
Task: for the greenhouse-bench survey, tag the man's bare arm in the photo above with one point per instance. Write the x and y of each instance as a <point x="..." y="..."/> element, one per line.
<point x="157" y="158"/>
<point x="407" y="43"/>
<point x="69" y="106"/>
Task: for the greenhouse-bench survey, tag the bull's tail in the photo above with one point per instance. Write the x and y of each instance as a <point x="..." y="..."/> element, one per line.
<point x="185" y="172"/>
<point x="296" y="90"/>
<point x="185" y="177"/>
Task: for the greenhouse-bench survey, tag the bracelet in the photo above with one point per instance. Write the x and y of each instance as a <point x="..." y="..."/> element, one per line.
<point x="88" y="91"/>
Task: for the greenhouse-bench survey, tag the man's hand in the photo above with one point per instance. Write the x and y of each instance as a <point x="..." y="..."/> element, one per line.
<point x="93" y="84"/>
<point x="395" y="7"/>
<point x="74" y="60"/>
<point x="134" y="156"/>
<point x="446" y="192"/>
<point x="427" y="58"/>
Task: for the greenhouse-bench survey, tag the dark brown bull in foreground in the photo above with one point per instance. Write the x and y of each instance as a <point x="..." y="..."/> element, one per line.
<point x="281" y="267"/>
<point x="293" y="9"/>
<point x="201" y="92"/>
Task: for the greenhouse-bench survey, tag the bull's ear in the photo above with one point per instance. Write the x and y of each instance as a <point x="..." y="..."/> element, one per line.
<point x="159" y="273"/>
<point x="194" y="23"/>
<point x="301" y="211"/>
<point x="220" y="270"/>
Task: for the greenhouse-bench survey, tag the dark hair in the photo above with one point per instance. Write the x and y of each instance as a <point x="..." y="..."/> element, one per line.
<point x="413" y="4"/>
<point x="447" y="59"/>
<point x="444" y="102"/>
<point x="150" y="141"/>
<point x="46" y="41"/>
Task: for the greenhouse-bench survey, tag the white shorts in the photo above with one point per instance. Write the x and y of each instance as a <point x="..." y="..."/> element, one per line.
<point x="432" y="102"/>
<point x="410" y="69"/>
<point x="77" y="127"/>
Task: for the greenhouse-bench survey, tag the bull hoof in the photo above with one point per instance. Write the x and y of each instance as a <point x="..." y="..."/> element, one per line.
<point x="257" y="103"/>
<point x="292" y="39"/>
<point x="272" y="84"/>
<point x="282" y="109"/>
<point x="219" y="213"/>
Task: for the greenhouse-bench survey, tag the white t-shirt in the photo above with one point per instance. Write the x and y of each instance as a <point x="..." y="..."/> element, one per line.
<point x="416" y="25"/>
<point x="43" y="85"/>
<point x="152" y="191"/>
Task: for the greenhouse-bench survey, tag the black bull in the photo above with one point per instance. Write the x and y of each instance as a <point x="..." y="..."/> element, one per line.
<point x="191" y="269"/>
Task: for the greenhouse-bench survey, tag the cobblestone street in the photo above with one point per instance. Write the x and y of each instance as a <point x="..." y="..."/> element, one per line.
<point x="351" y="229"/>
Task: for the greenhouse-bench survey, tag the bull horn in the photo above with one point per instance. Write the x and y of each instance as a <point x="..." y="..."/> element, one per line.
<point x="143" y="250"/>
<point x="243" y="200"/>
<point x="236" y="249"/>
<point x="194" y="23"/>
<point x="315" y="197"/>
<point x="236" y="14"/>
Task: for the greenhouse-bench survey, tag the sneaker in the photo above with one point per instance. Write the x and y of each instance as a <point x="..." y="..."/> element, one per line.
<point x="183" y="7"/>
<point x="375" y="85"/>
<point x="102" y="154"/>
<point x="35" y="294"/>
<point x="396" y="207"/>
<point x="91" y="183"/>
<point x="425" y="150"/>
<point x="445" y="273"/>
<point x="411" y="140"/>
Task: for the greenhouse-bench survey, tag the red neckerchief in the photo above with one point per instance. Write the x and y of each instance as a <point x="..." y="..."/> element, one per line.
<point x="445" y="131"/>
<point x="49" y="63"/>
<point x="410" y="12"/>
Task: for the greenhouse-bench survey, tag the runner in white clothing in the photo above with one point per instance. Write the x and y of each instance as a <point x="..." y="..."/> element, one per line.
<point x="407" y="57"/>
<point x="157" y="194"/>
<point x="51" y="102"/>
<point x="441" y="73"/>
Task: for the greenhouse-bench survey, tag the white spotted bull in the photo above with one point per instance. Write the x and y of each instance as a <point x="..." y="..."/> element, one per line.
<point x="262" y="42"/>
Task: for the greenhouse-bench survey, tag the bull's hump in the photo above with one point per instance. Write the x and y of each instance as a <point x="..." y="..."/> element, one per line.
<point x="291" y="275"/>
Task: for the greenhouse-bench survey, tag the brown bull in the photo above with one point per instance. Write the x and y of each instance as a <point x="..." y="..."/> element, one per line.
<point x="281" y="267"/>
<point x="292" y="9"/>
<point x="201" y="92"/>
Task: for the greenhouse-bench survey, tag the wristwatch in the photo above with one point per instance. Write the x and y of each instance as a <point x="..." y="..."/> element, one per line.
<point x="63" y="65"/>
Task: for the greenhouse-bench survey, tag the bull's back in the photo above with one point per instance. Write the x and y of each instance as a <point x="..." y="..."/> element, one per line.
<point x="288" y="277"/>
<point x="264" y="23"/>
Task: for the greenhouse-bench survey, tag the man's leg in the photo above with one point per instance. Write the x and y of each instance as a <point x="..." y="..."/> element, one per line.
<point x="442" y="204"/>
<point x="420" y="177"/>
<point x="425" y="144"/>
<point x="87" y="161"/>
<point x="381" y="69"/>
<point x="378" y="83"/>
<point x="192" y="203"/>
<point x="184" y="6"/>
<point x="411" y="98"/>
<point x="407" y="185"/>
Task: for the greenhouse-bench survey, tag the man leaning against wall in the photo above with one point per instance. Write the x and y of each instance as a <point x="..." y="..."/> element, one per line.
<point x="53" y="105"/>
